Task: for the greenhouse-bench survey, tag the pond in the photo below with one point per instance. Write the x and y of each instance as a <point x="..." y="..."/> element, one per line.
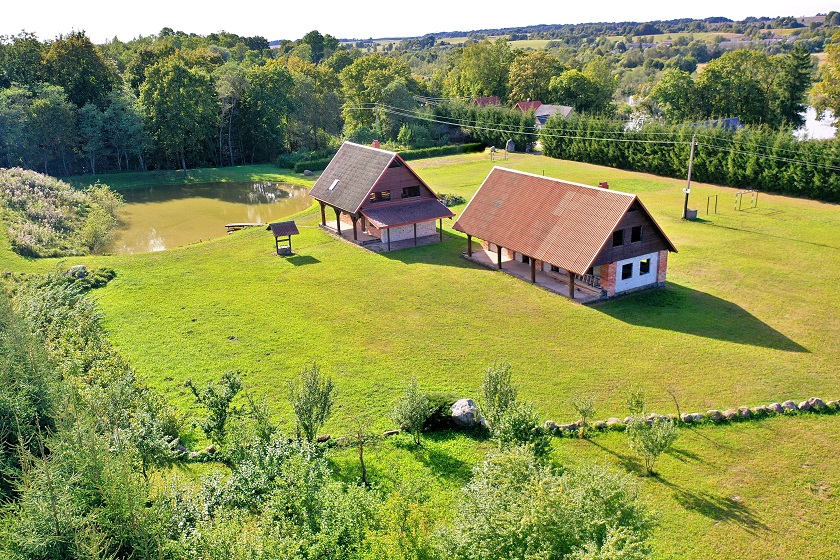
<point x="163" y="217"/>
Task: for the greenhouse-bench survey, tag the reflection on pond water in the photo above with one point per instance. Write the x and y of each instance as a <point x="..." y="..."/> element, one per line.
<point x="163" y="217"/>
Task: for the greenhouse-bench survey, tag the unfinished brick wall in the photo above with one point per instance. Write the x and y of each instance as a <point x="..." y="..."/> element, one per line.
<point x="608" y="275"/>
<point x="661" y="267"/>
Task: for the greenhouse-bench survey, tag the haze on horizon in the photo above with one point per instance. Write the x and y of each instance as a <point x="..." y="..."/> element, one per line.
<point x="102" y="22"/>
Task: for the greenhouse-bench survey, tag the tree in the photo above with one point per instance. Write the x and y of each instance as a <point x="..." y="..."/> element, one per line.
<point x="90" y="132"/>
<point x="585" y="407"/>
<point x="77" y="65"/>
<point x="265" y="109"/>
<point x="589" y="90"/>
<point x="790" y="87"/>
<point x="364" y="85"/>
<point x="530" y="75"/>
<point x="677" y="95"/>
<point x="826" y="92"/>
<point x="518" y="508"/>
<point x="312" y="397"/>
<point x="651" y="439"/>
<point x="412" y="411"/>
<point x="180" y="107"/>
<point x="231" y="83"/>
<point x="480" y="69"/>
<point x="20" y="59"/>
<point x="519" y="426"/>
<point x="217" y="399"/>
<point x="737" y="84"/>
<point x="498" y="392"/>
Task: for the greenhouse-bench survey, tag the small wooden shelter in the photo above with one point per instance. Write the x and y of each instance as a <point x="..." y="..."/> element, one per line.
<point x="378" y="193"/>
<point x="283" y="231"/>
<point x="601" y="238"/>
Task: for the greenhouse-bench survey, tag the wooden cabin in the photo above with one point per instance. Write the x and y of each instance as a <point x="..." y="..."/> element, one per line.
<point x="601" y="238"/>
<point x="375" y="192"/>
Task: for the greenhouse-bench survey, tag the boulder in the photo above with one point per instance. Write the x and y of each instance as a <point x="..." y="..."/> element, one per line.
<point x="804" y="406"/>
<point x="308" y="173"/>
<point x="193" y="454"/>
<point x="465" y="413"/>
<point x="388" y="433"/>
<point x="323" y="438"/>
<point x="551" y="426"/>
<point x="833" y="405"/>
<point x="789" y="406"/>
<point x="76" y="271"/>
<point x="714" y="415"/>
<point x="179" y="448"/>
<point x="696" y="417"/>
<point x="744" y="413"/>
<point x="600" y="425"/>
<point x="816" y="404"/>
<point x="775" y="407"/>
<point x="760" y="410"/>
<point x="615" y="424"/>
<point x="210" y="449"/>
<point x="574" y="426"/>
<point x="730" y="414"/>
<point x="628" y="419"/>
<point x="341" y="440"/>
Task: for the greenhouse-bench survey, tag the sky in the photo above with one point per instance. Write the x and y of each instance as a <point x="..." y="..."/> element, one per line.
<point x="103" y="20"/>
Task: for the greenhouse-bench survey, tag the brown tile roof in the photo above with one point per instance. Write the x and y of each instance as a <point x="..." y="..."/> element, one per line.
<point x="485" y="101"/>
<point x="348" y="179"/>
<point x="526" y="106"/>
<point x="282" y="229"/>
<point x="407" y="213"/>
<point x="561" y="223"/>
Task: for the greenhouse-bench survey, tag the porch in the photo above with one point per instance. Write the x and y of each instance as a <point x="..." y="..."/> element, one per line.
<point x="552" y="281"/>
<point x="372" y="242"/>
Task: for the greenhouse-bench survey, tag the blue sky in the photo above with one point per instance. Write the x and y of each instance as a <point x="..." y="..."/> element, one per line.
<point x="102" y="20"/>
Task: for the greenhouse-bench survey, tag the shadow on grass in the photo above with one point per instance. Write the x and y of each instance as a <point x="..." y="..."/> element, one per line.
<point x="438" y="460"/>
<point x="681" y="309"/>
<point x="442" y="253"/>
<point x="301" y="260"/>
<point x="684" y="456"/>
<point x="719" y="508"/>
<point x="628" y="462"/>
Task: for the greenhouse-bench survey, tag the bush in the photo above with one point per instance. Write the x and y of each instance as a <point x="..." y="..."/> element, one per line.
<point x="451" y="199"/>
<point x="519" y="425"/>
<point x="312" y="165"/>
<point x="442" y="151"/>
<point x="412" y="410"/>
<point x="498" y="393"/>
<point x="312" y="397"/>
<point x="651" y="439"/>
<point x="440" y="417"/>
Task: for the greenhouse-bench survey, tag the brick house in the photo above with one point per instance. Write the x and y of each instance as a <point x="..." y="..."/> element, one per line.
<point x="599" y="238"/>
<point x="375" y="192"/>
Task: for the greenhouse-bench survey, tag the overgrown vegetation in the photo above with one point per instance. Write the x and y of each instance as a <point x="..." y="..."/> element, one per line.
<point x="49" y="218"/>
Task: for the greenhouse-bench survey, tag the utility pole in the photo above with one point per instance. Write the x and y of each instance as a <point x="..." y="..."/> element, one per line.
<point x="377" y="120"/>
<point x="687" y="189"/>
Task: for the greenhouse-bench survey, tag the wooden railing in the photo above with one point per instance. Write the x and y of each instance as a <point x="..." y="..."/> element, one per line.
<point x="589" y="280"/>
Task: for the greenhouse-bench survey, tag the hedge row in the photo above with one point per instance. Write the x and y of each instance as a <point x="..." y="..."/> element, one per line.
<point x="321" y="164"/>
<point x="753" y="158"/>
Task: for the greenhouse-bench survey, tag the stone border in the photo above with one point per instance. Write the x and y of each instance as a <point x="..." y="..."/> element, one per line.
<point x="789" y="407"/>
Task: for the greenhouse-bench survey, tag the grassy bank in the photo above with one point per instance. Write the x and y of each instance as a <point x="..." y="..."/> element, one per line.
<point x="749" y="316"/>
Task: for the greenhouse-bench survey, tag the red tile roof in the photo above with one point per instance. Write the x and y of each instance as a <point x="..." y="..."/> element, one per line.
<point x="526" y="106"/>
<point x="407" y="213"/>
<point x="485" y="101"/>
<point x="561" y="223"/>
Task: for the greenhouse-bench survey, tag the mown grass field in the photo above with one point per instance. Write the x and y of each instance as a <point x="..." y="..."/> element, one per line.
<point x="749" y="316"/>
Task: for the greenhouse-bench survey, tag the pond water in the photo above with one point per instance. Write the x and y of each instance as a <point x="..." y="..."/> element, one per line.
<point x="163" y="217"/>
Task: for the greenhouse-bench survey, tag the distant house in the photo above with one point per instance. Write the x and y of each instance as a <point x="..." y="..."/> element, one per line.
<point x="493" y="100"/>
<point x="730" y="124"/>
<point x="377" y="194"/>
<point x="542" y="111"/>
<point x="604" y="240"/>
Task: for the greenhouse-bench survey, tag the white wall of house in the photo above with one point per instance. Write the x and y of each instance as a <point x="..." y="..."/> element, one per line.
<point x="401" y="233"/>
<point x="636" y="280"/>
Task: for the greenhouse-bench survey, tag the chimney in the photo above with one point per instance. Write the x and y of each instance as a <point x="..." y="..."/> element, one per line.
<point x="376" y="144"/>
<point x="604" y="185"/>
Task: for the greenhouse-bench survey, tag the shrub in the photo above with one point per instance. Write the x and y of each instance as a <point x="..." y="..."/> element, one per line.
<point x="498" y="393"/>
<point x="312" y="397"/>
<point x="216" y="398"/>
<point x="412" y="410"/>
<point x="519" y="425"/>
<point x="312" y="165"/>
<point x="516" y="508"/>
<point x="651" y="439"/>
<point x="451" y="199"/>
<point x="442" y="151"/>
<point x="585" y="407"/>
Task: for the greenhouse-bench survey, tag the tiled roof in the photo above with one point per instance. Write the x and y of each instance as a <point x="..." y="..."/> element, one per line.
<point x="282" y="229"/>
<point x="347" y="180"/>
<point x="485" y="101"/>
<point x="407" y="213"/>
<point x="526" y="106"/>
<point x="564" y="224"/>
<point x="544" y="111"/>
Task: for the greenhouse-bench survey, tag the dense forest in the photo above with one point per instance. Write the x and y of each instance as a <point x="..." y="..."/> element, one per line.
<point x="178" y="100"/>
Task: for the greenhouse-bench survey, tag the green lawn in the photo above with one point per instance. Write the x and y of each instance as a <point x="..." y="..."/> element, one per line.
<point x="749" y="316"/>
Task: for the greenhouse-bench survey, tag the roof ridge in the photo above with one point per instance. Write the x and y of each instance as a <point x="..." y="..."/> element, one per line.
<point x="369" y="147"/>
<point x="562" y="181"/>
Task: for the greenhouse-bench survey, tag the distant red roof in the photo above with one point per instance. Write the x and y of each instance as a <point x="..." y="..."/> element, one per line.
<point x="526" y="106"/>
<point x="562" y="223"/>
<point x="485" y="101"/>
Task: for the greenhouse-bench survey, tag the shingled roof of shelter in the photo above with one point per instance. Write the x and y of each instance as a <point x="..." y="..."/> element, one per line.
<point x="283" y="229"/>
<point x="407" y="213"/>
<point x="565" y="224"/>
<point x="350" y="175"/>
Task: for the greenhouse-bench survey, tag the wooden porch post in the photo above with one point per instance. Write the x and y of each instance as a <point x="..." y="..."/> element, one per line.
<point x="323" y="216"/>
<point x="415" y="234"/>
<point x="337" y="220"/>
<point x="354" y="218"/>
<point x="440" y="229"/>
<point x="469" y="245"/>
<point x="499" y="256"/>
<point x="571" y="285"/>
<point x="389" y="238"/>
<point x="533" y="270"/>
